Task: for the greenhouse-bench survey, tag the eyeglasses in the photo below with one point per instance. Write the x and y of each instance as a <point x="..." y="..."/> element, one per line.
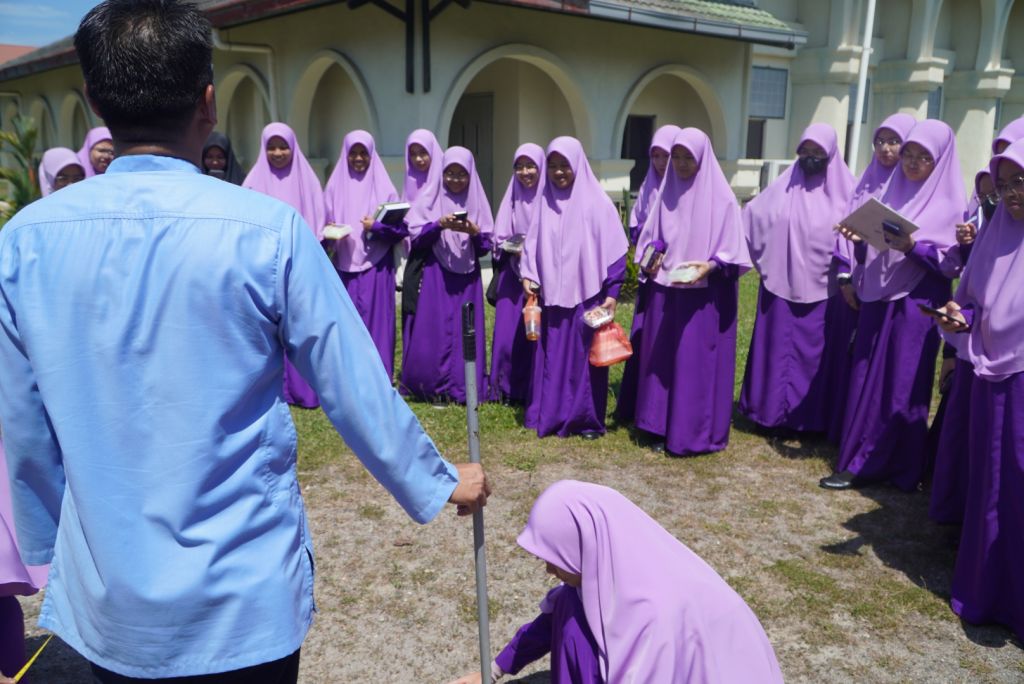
<point x="104" y="151"/>
<point x="1016" y="186"/>
<point x="923" y="159"/>
<point x="456" y="176"/>
<point x="992" y="197"/>
<point x="888" y="142"/>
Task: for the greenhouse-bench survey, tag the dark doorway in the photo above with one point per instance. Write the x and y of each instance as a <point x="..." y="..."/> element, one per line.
<point x="473" y="128"/>
<point x="636" y="143"/>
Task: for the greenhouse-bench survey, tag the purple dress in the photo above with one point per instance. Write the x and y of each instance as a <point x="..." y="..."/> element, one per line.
<point x="511" y="352"/>
<point x="625" y="408"/>
<point x="987" y="585"/>
<point x="568" y="396"/>
<point x="886" y="423"/>
<point x="561" y="631"/>
<point x="686" y="364"/>
<point x="785" y="381"/>
<point x="432" y="365"/>
<point x="949" y="482"/>
<point x="373" y="293"/>
<point x="840" y="330"/>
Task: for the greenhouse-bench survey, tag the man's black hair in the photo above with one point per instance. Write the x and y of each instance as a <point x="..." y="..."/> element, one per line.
<point x="146" y="65"/>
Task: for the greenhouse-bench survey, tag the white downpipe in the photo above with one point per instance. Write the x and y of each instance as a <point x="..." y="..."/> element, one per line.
<point x="862" y="82"/>
<point x="227" y="46"/>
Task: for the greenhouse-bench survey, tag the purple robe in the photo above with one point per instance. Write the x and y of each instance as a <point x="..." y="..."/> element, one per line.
<point x="432" y="365"/>
<point x="686" y="365"/>
<point x="373" y="293"/>
<point x="987" y="582"/>
<point x="784" y="384"/>
<point x="511" y="352"/>
<point x="625" y="408"/>
<point x="885" y="428"/>
<point x="567" y="395"/>
<point x="949" y="479"/>
<point x="561" y="631"/>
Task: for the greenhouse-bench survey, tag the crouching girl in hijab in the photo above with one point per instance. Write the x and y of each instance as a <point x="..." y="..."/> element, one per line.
<point x="635" y="605"/>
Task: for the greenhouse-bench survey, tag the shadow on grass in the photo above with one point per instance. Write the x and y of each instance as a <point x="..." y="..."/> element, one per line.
<point x="904" y="539"/>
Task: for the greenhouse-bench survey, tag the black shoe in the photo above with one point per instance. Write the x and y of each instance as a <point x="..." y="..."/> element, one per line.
<point x="843" y="480"/>
<point x="590" y="435"/>
<point x="658" y="447"/>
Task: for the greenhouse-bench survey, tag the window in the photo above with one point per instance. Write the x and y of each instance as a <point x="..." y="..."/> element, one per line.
<point x="755" y="138"/>
<point x="768" y="93"/>
<point x="935" y="103"/>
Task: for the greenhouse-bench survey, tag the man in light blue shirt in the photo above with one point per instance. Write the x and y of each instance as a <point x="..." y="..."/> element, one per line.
<point x="144" y="317"/>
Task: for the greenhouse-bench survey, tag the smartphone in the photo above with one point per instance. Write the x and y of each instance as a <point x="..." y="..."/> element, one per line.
<point x="460" y="215"/>
<point x="935" y="313"/>
<point x="891" y="228"/>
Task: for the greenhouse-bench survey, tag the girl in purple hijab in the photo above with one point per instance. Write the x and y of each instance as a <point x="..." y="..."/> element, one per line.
<point x="423" y="161"/>
<point x="59" y="168"/>
<point x="358" y="185"/>
<point x="1011" y="133"/>
<point x="636" y="605"/>
<point x="789" y="229"/>
<point x="432" y="367"/>
<point x="511" y="352"/>
<point x="685" y="372"/>
<point x="97" y="151"/>
<point x="576" y="256"/>
<point x="659" y="151"/>
<point x="886" y="421"/>
<point x="987" y="583"/>
<point x="283" y="172"/>
<point x="888" y="138"/>
<point x="16" y="579"/>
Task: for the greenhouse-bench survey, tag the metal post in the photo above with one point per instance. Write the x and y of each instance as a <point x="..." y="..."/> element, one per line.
<point x="862" y="82"/>
<point x="473" y="430"/>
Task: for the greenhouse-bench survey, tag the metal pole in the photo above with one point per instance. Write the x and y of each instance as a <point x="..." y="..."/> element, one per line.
<point x="473" y="430"/>
<point x="862" y="82"/>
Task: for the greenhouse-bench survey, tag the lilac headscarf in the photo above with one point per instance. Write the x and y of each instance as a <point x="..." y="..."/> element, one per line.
<point x="935" y="205"/>
<point x="423" y="186"/>
<point x="296" y="185"/>
<point x="454" y="250"/>
<point x="578" y="235"/>
<point x="789" y="226"/>
<point x="995" y="343"/>
<point x="349" y="197"/>
<point x="519" y="208"/>
<point x="94" y="136"/>
<point x="54" y="160"/>
<point x="658" y="612"/>
<point x="697" y="218"/>
<point x="645" y="196"/>
<point x="1011" y="133"/>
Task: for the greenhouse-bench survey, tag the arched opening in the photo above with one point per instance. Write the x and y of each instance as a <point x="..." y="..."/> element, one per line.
<point x="330" y="100"/>
<point x="74" y="123"/>
<point x="42" y="115"/>
<point x="246" y="111"/>
<point x="668" y="95"/>
<point x="509" y="96"/>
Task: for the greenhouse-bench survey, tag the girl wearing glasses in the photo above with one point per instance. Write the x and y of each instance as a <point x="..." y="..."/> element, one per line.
<point x="454" y="230"/>
<point x="789" y="232"/>
<point x="59" y="168"/>
<point x="886" y="421"/>
<point x="886" y="157"/>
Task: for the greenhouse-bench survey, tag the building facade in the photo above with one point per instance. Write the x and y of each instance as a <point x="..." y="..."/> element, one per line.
<point x="493" y="74"/>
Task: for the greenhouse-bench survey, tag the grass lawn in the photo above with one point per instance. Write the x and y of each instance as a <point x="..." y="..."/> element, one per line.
<point x="850" y="586"/>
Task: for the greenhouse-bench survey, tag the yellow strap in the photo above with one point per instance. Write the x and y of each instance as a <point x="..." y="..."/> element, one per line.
<point x="21" y="673"/>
